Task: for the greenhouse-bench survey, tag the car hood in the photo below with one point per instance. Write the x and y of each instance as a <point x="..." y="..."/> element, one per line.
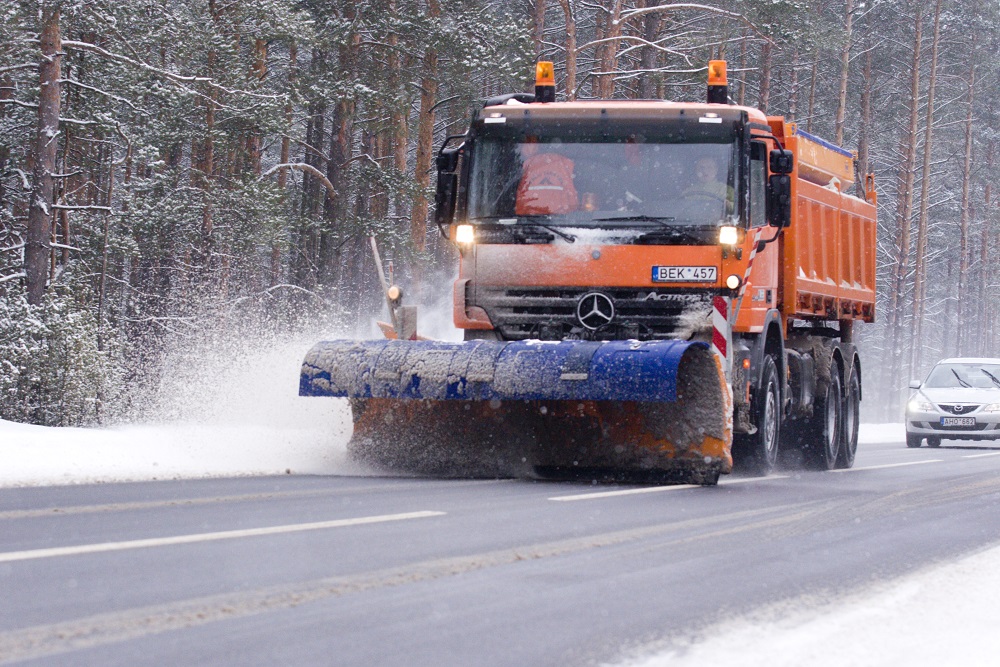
<point x="961" y="395"/>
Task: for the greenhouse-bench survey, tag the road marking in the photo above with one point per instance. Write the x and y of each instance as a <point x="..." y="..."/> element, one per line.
<point x="979" y="456"/>
<point x="206" y="537"/>
<point x="889" y="465"/>
<point x="398" y="484"/>
<point x="106" y="628"/>
<point x="655" y="489"/>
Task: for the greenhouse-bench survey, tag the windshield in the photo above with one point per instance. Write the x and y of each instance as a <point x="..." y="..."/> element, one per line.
<point x="627" y="181"/>
<point x="982" y="376"/>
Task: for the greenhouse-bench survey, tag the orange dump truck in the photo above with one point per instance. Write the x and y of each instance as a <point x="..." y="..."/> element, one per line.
<point x="645" y="287"/>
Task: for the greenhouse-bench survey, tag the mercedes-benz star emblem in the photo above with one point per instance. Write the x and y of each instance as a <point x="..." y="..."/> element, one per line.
<point x="594" y="310"/>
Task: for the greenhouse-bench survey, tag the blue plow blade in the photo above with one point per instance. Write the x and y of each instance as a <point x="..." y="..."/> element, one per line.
<point x="492" y="370"/>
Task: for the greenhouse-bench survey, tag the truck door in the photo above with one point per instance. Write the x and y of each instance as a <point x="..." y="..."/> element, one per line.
<point x="762" y="287"/>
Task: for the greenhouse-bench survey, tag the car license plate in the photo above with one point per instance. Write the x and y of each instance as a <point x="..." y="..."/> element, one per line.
<point x="958" y="421"/>
<point x="685" y="274"/>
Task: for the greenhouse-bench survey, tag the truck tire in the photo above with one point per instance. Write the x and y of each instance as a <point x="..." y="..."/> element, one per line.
<point x="913" y="440"/>
<point x="821" y="444"/>
<point x="852" y="407"/>
<point x="758" y="453"/>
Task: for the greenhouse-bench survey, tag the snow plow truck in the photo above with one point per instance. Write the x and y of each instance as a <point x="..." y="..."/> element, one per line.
<point x="647" y="289"/>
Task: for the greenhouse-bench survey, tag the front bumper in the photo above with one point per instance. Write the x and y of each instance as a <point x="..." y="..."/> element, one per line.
<point x="987" y="426"/>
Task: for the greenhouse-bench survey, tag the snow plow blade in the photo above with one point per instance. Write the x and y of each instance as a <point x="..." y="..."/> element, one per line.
<point x="619" y="409"/>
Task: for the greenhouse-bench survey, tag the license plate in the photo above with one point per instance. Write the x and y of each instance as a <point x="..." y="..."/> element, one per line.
<point x="958" y="421"/>
<point x="685" y="274"/>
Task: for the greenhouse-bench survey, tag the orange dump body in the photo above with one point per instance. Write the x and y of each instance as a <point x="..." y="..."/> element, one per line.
<point x="828" y="263"/>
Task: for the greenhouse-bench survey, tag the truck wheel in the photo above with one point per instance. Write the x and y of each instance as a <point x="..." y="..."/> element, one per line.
<point x="852" y="407"/>
<point x="933" y="441"/>
<point x="913" y="440"/>
<point x="822" y="442"/>
<point x="758" y="453"/>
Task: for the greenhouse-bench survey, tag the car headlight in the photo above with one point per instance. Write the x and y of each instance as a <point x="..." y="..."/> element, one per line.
<point x="992" y="407"/>
<point x="920" y="405"/>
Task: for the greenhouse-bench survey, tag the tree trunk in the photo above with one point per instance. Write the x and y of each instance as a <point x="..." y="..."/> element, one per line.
<point x="289" y="117"/>
<point x="39" y="232"/>
<point x="904" y="210"/>
<point x="963" y="267"/>
<point x="765" y="76"/>
<point x="570" y="49"/>
<point x="812" y="91"/>
<point x="425" y="137"/>
<point x="647" y="61"/>
<point x="741" y="96"/>
<point x="538" y="28"/>
<point x="864" y="132"/>
<point x="608" y="60"/>
<point x="920" y="270"/>
<point x="845" y="67"/>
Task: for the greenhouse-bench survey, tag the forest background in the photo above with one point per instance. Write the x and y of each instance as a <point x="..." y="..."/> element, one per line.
<point x="172" y="171"/>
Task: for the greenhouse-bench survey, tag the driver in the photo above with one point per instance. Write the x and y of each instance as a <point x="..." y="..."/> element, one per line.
<point x="546" y="186"/>
<point x="708" y="185"/>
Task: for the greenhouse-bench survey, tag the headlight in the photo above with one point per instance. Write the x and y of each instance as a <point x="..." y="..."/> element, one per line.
<point x="465" y="234"/>
<point x="918" y="405"/>
<point x="992" y="407"/>
<point x="728" y="235"/>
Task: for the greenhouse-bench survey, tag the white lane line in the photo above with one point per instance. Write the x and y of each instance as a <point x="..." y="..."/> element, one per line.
<point x="206" y="537"/>
<point x="889" y="465"/>
<point x="979" y="456"/>
<point x="655" y="489"/>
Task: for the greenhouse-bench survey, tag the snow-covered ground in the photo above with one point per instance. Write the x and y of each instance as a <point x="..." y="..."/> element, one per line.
<point x="944" y="615"/>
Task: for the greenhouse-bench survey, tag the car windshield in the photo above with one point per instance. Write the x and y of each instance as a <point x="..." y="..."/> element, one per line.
<point x="625" y="182"/>
<point x="978" y="375"/>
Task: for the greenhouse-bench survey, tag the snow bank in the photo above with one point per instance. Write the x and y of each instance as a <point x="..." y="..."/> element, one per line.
<point x="945" y="615"/>
<point x="233" y="414"/>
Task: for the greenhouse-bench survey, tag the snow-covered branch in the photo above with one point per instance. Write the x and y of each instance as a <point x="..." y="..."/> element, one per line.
<point x="13" y="68"/>
<point x="177" y="78"/>
<point x="64" y="207"/>
<point x="13" y="276"/>
<point x="309" y="169"/>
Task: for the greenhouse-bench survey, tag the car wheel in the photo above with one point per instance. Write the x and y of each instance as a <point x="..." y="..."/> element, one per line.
<point x="852" y="407"/>
<point x="913" y="440"/>
<point x="933" y="441"/>
<point x="758" y="453"/>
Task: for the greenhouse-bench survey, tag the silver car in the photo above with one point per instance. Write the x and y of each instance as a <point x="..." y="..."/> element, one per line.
<point x="959" y="400"/>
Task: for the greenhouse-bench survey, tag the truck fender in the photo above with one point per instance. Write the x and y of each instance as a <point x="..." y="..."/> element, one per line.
<point x="758" y="347"/>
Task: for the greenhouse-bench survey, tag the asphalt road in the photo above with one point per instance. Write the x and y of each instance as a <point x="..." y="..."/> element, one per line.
<point x="396" y="571"/>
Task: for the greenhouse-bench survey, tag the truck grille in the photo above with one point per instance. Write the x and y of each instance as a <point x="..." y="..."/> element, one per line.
<point x="550" y="313"/>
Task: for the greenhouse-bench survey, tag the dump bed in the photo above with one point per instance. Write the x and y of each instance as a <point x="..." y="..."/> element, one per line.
<point x="829" y="251"/>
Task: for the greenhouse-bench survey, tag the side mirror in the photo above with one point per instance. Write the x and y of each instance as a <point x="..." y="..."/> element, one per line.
<point x="782" y="161"/>
<point x="447" y="184"/>
<point x="779" y="200"/>
<point x="914" y="384"/>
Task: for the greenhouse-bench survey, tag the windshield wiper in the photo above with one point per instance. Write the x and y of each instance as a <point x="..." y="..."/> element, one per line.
<point x="960" y="380"/>
<point x="530" y="220"/>
<point x="661" y="219"/>
<point x="991" y="376"/>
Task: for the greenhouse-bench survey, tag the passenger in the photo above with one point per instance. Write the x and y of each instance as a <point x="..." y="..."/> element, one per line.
<point x="546" y="186"/>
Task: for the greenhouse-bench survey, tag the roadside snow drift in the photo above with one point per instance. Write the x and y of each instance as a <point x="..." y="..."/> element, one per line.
<point x="232" y="414"/>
